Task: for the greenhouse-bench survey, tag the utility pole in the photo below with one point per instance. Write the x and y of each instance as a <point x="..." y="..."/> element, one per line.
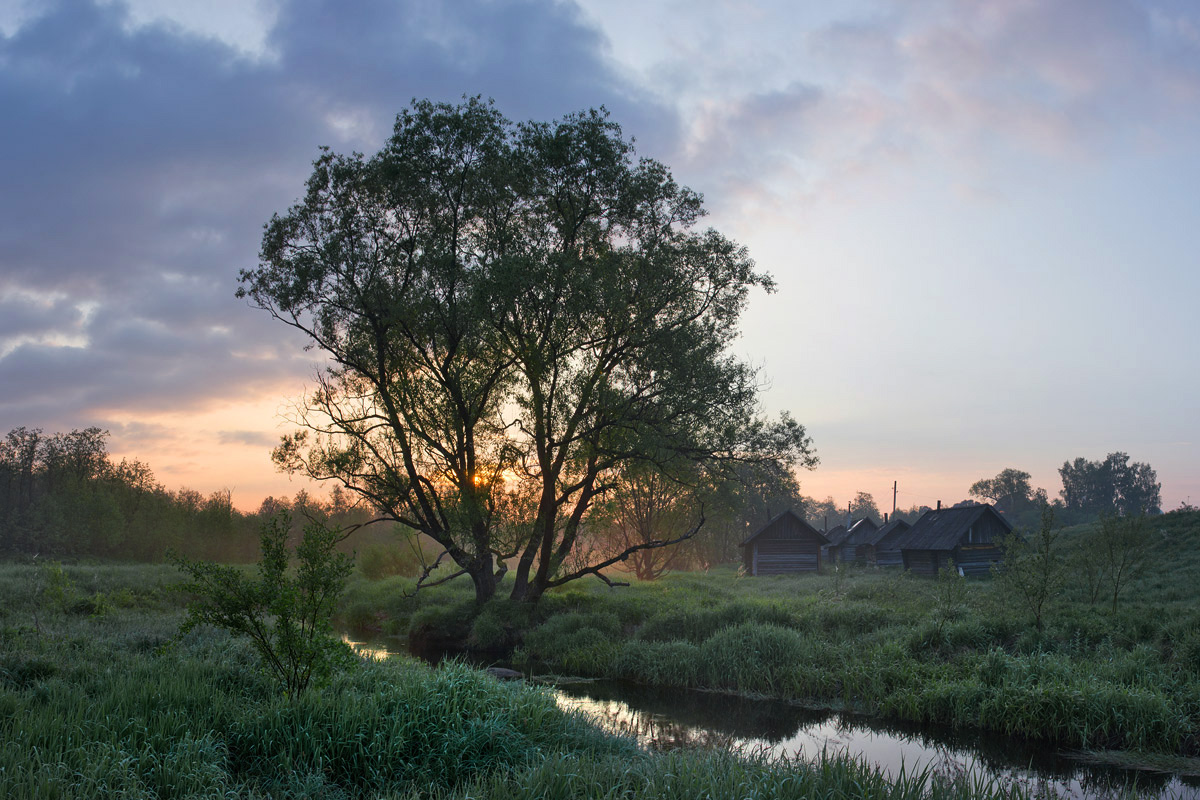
<point x="893" y="498"/>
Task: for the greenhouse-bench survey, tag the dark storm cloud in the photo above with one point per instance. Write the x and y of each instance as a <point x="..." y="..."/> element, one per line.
<point x="141" y="163"/>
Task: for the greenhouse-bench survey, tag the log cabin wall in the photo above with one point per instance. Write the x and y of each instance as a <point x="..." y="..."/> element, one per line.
<point x="785" y="545"/>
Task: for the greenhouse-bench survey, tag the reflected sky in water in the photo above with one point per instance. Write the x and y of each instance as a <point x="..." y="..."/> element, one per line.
<point x="668" y="719"/>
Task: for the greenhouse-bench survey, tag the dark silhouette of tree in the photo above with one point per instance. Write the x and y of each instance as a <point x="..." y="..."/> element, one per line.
<point x="1010" y="491"/>
<point x="1012" y="495"/>
<point x="512" y="314"/>
<point x="62" y="496"/>
<point x="863" y="507"/>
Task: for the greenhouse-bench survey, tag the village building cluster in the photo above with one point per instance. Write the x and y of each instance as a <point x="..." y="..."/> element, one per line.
<point x="967" y="537"/>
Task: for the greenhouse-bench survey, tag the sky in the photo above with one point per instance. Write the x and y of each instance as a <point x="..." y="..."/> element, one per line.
<point x="982" y="217"/>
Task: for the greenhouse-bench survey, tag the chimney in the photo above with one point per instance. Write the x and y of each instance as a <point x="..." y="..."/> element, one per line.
<point x="939" y="508"/>
<point x="885" y="518"/>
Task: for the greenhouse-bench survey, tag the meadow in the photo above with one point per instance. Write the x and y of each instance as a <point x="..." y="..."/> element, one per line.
<point x="100" y="697"/>
<point x="1124" y="686"/>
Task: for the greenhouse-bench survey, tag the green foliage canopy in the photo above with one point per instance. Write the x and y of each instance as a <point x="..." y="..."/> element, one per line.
<point x="511" y="314"/>
<point x="1111" y="486"/>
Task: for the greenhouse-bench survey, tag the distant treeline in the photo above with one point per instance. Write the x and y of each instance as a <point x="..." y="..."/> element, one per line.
<point x="63" y="496"/>
<point x="1113" y="487"/>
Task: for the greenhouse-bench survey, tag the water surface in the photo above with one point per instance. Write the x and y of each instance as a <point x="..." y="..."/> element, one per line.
<point x="664" y="719"/>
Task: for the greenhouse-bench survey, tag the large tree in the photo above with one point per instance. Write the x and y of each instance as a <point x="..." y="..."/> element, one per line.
<point x="512" y="314"/>
<point x="1013" y="496"/>
<point x="1111" y="486"/>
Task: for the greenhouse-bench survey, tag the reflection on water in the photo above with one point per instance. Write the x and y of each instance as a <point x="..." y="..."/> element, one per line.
<point x="368" y="650"/>
<point x="668" y="719"/>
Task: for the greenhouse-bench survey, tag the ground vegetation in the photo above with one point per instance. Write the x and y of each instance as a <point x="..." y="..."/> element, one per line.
<point x="285" y="608"/>
<point x="104" y="699"/>
<point x="962" y="653"/>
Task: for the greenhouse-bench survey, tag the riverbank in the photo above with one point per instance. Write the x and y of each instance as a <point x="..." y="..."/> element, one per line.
<point x="99" y="698"/>
<point x="878" y="642"/>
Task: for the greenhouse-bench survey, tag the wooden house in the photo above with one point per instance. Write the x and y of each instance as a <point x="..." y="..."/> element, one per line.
<point x="880" y="548"/>
<point x="784" y="545"/>
<point x="834" y="536"/>
<point x="969" y="536"/>
<point x="859" y="533"/>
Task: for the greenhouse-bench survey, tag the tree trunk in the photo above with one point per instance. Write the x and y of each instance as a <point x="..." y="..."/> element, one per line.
<point x="484" y="579"/>
<point x="523" y="590"/>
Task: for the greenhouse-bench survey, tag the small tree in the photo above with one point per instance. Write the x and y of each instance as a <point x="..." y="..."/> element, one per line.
<point x="950" y="594"/>
<point x="285" y="612"/>
<point x="1034" y="571"/>
<point x="1090" y="572"/>
<point x="647" y="506"/>
<point x="1123" y="546"/>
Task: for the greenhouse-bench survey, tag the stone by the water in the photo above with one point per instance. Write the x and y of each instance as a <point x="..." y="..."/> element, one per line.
<point x="504" y="674"/>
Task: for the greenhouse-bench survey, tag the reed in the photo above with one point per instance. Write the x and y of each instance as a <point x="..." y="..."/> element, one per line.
<point x="686" y="775"/>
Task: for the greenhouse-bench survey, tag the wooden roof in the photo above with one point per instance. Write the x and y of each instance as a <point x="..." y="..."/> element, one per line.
<point x="887" y="533"/>
<point x="796" y="517"/>
<point x="860" y="532"/>
<point x="836" y="534"/>
<point x="942" y="529"/>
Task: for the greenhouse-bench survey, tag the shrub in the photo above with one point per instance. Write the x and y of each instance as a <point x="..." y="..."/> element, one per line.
<point x="285" y="614"/>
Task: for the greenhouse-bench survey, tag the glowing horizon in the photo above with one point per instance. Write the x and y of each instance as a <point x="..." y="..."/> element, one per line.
<point x="980" y="217"/>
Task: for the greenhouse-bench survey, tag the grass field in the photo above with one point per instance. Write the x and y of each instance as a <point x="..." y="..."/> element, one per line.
<point x="882" y="642"/>
<point x="100" y="698"/>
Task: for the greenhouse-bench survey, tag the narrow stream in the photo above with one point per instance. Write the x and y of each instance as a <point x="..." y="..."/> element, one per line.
<point x="666" y="719"/>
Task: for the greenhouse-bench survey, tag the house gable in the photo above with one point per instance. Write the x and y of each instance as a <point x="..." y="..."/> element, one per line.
<point x="784" y="545"/>
<point x="968" y="536"/>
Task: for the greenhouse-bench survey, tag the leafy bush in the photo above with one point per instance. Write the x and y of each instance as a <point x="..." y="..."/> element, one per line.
<point x="285" y="614"/>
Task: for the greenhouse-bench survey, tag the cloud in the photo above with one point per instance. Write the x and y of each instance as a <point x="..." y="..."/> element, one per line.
<point x="150" y="156"/>
<point x="955" y="82"/>
<point x="26" y="316"/>
<point x="256" y="439"/>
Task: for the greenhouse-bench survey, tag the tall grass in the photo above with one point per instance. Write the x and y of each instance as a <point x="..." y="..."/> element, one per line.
<point x="878" y="643"/>
<point x="112" y="703"/>
<point x="688" y="775"/>
<point x="114" y="708"/>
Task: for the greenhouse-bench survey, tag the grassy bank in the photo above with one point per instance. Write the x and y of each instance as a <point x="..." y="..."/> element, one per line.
<point x="98" y="698"/>
<point x="875" y="641"/>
